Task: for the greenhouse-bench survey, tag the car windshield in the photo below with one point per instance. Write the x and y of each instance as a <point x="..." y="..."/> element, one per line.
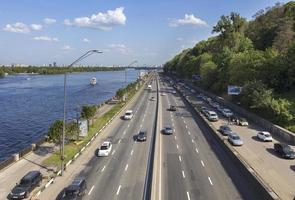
<point x="287" y="149"/>
<point x="128" y="114"/>
<point x="235" y="137"/>
<point x="24" y="182"/>
<point x="104" y="147"/>
<point x="168" y="128"/>
<point x="70" y="193"/>
<point x="226" y="128"/>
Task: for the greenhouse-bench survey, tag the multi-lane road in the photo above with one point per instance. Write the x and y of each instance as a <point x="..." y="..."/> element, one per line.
<point x="193" y="165"/>
<point x="189" y="164"/>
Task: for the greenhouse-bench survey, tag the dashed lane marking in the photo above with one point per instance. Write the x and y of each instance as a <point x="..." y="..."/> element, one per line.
<point x="210" y="180"/>
<point x="118" y="191"/>
<point x="202" y="163"/>
<point x="183" y="175"/>
<point x="91" y="190"/>
<point x="103" y="168"/>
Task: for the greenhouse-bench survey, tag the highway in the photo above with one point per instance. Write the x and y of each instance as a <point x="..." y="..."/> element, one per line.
<point x="193" y="165"/>
<point x="122" y="174"/>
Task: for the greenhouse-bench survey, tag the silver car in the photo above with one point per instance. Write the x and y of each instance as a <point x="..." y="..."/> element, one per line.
<point x="235" y="140"/>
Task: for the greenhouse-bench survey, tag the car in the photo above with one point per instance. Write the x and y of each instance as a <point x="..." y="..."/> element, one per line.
<point x="173" y="92"/>
<point x="204" y="110"/>
<point x="225" y="130"/>
<point x="235" y="140"/>
<point x="227" y="112"/>
<point x="220" y="108"/>
<point x="193" y="91"/>
<point x="128" y="115"/>
<point x="168" y="130"/>
<point x="153" y="99"/>
<point x="242" y="122"/>
<point x="284" y="150"/>
<point x="76" y="190"/>
<point x="105" y="149"/>
<point x="264" y="136"/>
<point x="172" y="108"/>
<point x="163" y="94"/>
<point x="26" y="185"/>
<point x="212" y="116"/>
<point x="141" y="136"/>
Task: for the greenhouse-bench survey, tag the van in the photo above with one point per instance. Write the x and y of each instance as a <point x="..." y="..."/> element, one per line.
<point x="26" y="185"/>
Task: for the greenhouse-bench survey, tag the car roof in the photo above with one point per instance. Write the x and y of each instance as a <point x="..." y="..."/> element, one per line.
<point x="105" y="143"/>
<point x="211" y="112"/>
<point x="264" y="132"/>
<point x="31" y="174"/>
<point x="129" y="111"/>
<point x="77" y="181"/>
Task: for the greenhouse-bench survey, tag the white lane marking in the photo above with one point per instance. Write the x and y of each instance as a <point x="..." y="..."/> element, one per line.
<point x="124" y="132"/>
<point x="202" y="163"/>
<point x="175" y="137"/>
<point x="103" y="168"/>
<point x="91" y="190"/>
<point x="140" y="125"/>
<point x="189" y="133"/>
<point x="113" y="152"/>
<point x="186" y="126"/>
<point x="128" y="125"/>
<point x="131" y="153"/>
<point x="197" y="150"/>
<point x="177" y="146"/>
<point x="210" y="180"/>
<point x="184" y="122"/>
<point x="179" y="157"/>
<point x="119" y="141"/>
<point x="188" y="197"/>
<point x="183" y="175"/>
<point x="119" y="188"/>
<point x="126" y="167"/>
<point x="193" y="141"/>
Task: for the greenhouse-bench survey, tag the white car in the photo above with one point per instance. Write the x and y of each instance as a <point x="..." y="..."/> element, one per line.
<point x="163" y="94"/>
<point x="152" y="99"/>
<point x="105" y="149"/>
<point x="173" y="92"/>
<point x="212" y="116"/>
<point x="227" y="112"/>
<point x="264" y="136"/>
<point x="128" y="114"/>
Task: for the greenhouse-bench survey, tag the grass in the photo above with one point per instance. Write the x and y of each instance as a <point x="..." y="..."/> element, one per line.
<point x="71" y="148"/>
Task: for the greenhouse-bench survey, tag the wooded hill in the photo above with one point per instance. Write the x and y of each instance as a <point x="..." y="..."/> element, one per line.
<point x="258" y="55"/>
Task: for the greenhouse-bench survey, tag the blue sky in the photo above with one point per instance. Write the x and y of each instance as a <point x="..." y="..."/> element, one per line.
<point x="151" y="32"/>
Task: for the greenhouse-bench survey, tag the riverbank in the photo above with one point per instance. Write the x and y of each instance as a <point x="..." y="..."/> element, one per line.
<point x="54" y="70"/>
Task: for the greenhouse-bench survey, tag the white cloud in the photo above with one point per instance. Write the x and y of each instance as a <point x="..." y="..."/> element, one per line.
<point x="86" y="40"/>
<point x="67" y="48"/>
<point x="46" y="38"/>
<point x="18" y="27"/>
<point x="49" y="20"/>
<point x="123" y="49"/>
<point x="103" y="21"/>
<point x="179" y="39"/>
<point x="189" y="19"/>
<point x="36" y="27"/>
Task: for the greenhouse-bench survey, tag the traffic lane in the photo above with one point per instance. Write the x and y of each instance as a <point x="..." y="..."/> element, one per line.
<point x="100" y="168"/>
<point x="107" y="185"/>
<point x="173" y="186"/>
<point x="224" y="175"/>
<point x="197" y="184"/>
<point x="133" y="180"/>
<point x="263" y="159"/>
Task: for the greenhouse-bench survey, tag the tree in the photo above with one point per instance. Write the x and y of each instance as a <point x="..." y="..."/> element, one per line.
<point x="208" y="73"/>
<point x="55" y="131"/>
<point x="88" y="111"/>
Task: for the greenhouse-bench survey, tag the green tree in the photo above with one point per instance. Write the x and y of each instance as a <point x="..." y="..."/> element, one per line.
<point x="208" y="73"/>
<point x="55" y="131"/>
<point x="88" y="111"/>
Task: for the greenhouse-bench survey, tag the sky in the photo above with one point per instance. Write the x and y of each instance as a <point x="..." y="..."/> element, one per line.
<point x="147" y="31"/>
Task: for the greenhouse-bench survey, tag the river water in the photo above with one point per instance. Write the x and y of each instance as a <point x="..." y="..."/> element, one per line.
<point x="30" y="103"/>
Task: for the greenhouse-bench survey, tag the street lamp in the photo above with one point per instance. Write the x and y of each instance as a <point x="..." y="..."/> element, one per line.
<point x="85" y="55"/>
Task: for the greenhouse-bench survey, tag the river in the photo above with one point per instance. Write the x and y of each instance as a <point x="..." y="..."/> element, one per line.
<point x="30" y="103"/>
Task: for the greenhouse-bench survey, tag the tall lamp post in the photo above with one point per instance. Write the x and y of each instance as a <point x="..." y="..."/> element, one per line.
<point x="85" y="55"/>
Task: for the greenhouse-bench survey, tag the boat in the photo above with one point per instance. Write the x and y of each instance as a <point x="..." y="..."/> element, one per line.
<point x="93" y="81"/>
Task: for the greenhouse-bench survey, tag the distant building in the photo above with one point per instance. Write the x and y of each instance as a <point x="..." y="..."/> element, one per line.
<point x="54" y="64"/>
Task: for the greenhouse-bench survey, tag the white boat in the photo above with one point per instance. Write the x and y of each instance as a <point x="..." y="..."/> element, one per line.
<point x="93" y="81"/>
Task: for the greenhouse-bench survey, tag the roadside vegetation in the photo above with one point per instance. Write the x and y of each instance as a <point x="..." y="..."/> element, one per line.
<point x="55" y="70"/>
<point x="258" y="55"/>
<point x="73" y="143"/>
<point x="2" y="73"/>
